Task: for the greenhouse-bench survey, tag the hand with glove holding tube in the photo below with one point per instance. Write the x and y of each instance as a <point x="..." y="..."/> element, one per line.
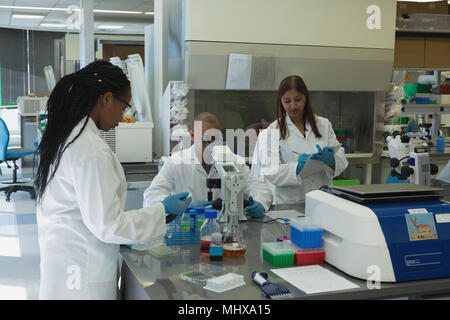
<point x="176" y="204"/>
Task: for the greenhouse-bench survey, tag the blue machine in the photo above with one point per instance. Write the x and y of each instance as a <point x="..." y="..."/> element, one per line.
<point x="402" y="230"/>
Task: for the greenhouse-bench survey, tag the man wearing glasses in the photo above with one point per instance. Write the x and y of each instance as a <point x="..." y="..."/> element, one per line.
<point x="188" y="170"/>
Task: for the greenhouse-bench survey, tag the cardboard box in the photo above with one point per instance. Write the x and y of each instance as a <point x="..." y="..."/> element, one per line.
<point x="437" y="52"/>
<point x="409" y="52"/>
<point x="407" y="7"/>
<point x="436" y="7"/>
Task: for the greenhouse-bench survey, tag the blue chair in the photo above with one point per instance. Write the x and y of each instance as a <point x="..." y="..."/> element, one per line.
<point x="12" y="154"/>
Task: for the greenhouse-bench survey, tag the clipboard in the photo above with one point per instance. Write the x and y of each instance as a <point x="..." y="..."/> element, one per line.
<point x="314" y="166"/>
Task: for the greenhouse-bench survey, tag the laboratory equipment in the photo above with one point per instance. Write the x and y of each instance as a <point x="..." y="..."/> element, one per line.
<point x="183" y="229"/>
<point x="399" y="230"/>
<point x="225" y="282"/>
<point x="306" y="234"/>
<point x="163" y="251"/>
<point x="306" y="257"/>
<point x="440" y="144"/>
<point x="233" y="242"/>
<point x="31" y="106"/>
<point x="195" y="277"/>
<point x="209" y="228"/>
<point x="213" y="183"/>
<point x="232" y="193"/>
<point x="200" y="217"/>
<point x="216" y="247"/>
<point x="278" y="254"/>
<point x="286" y="232"/>
<point x="186" y="220"/>
<point x="126" y="136"/>
<point x="406" y="163"/>
<point x="270" y="290"/>
<point x="49" y="77"/>
<point x="232" y="184"/>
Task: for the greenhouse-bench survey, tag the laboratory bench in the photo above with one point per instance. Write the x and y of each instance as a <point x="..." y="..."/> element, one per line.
<point x="145" y="276"/>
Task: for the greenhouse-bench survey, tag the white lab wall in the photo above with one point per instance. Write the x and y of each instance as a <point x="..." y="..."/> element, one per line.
<point x="307" y="22"/>
<point x="73" y="44"/>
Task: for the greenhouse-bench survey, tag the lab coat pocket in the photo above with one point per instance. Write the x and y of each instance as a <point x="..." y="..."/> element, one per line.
<point x="286" y="155"/>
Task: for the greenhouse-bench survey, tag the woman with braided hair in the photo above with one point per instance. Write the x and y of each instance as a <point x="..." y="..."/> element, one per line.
<point x="81" y="189"/>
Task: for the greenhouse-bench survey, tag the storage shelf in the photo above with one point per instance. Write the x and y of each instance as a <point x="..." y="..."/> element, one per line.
<point x="422" y="31"/>
<point x="422" y="68"/>
<point x="426" y="108"/>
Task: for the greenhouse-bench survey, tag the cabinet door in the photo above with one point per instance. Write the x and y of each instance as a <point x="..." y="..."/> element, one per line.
<point x="437" y="52"/>
<point x="409" y="52"/>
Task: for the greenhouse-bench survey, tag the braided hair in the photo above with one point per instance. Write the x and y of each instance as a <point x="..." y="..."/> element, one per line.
<point x="73" y="99"/>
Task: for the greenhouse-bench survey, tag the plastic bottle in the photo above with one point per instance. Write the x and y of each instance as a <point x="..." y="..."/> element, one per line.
<point x="440" y="144"/>
<point x="186" y="220"/>
<point x="210" y="226"/>
<point x="216" y="247"/>
<point x="193" y="220"/>
<point x="200" y="219"/>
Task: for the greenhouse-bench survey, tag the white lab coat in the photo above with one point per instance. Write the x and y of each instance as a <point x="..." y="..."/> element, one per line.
<point x="81" y="221"/>
<point x="276" y="164"/>
<point x="182" y="172"/>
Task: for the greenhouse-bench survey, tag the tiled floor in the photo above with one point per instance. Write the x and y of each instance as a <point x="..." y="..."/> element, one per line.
<point x="19" y="247"/>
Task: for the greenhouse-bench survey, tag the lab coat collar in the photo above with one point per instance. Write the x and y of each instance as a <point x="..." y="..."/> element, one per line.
<point x="197" y="163"/>
<point x="293" y="128"/>
<point x="92" y="126"/>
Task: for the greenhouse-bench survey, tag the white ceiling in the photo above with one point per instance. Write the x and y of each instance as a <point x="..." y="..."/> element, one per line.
<point x="133" y="23"/>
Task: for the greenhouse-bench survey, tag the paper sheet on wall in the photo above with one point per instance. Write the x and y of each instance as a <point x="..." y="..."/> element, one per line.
<point x="284" y="214"/>
<point x="239" y="71"/>
<point x="314" y="279"/>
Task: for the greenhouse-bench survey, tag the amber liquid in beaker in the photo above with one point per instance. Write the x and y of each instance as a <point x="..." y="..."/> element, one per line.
<point x="232" y="250"/>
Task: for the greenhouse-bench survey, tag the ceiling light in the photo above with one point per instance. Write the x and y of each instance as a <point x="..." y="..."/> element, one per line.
<point x="148" y="12"/>
<point x="27" y="16"/>
<point x="53" y="25"/>
<point x="33" y="8"/>
<point x="103" y="26"/>
<point x="417" y="0"/>
<point x="116" y="11"/>
<point x="76" y="9"/>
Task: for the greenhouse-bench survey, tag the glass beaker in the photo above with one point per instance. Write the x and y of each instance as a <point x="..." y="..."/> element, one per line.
<point x="233" y="243"/>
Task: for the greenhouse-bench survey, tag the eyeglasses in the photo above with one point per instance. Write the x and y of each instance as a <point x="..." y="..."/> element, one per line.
<point x="207" y="143"/>
<point x="128" y="106"/>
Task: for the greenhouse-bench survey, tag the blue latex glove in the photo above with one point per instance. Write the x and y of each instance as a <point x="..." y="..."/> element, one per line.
<point x="301" y="161"/>
<point x="326" y="155"/>
<point x="255" y="209"/>
<point x="177" y="203"/>
<point x="201" y="203"/>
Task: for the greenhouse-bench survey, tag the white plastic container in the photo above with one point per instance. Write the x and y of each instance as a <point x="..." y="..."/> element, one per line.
<point x="225" y="282"/>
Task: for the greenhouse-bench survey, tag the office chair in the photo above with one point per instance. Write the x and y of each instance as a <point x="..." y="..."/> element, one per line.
<point x="12" y="154"/>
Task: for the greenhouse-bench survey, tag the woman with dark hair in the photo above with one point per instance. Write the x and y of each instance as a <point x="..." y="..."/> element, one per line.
<point x="298" y="135"/>
<point x="81" y="189"/>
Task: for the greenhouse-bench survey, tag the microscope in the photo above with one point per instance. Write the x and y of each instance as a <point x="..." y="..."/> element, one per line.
<point x="231" y="183"/>
<point x="406" y="164"/>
